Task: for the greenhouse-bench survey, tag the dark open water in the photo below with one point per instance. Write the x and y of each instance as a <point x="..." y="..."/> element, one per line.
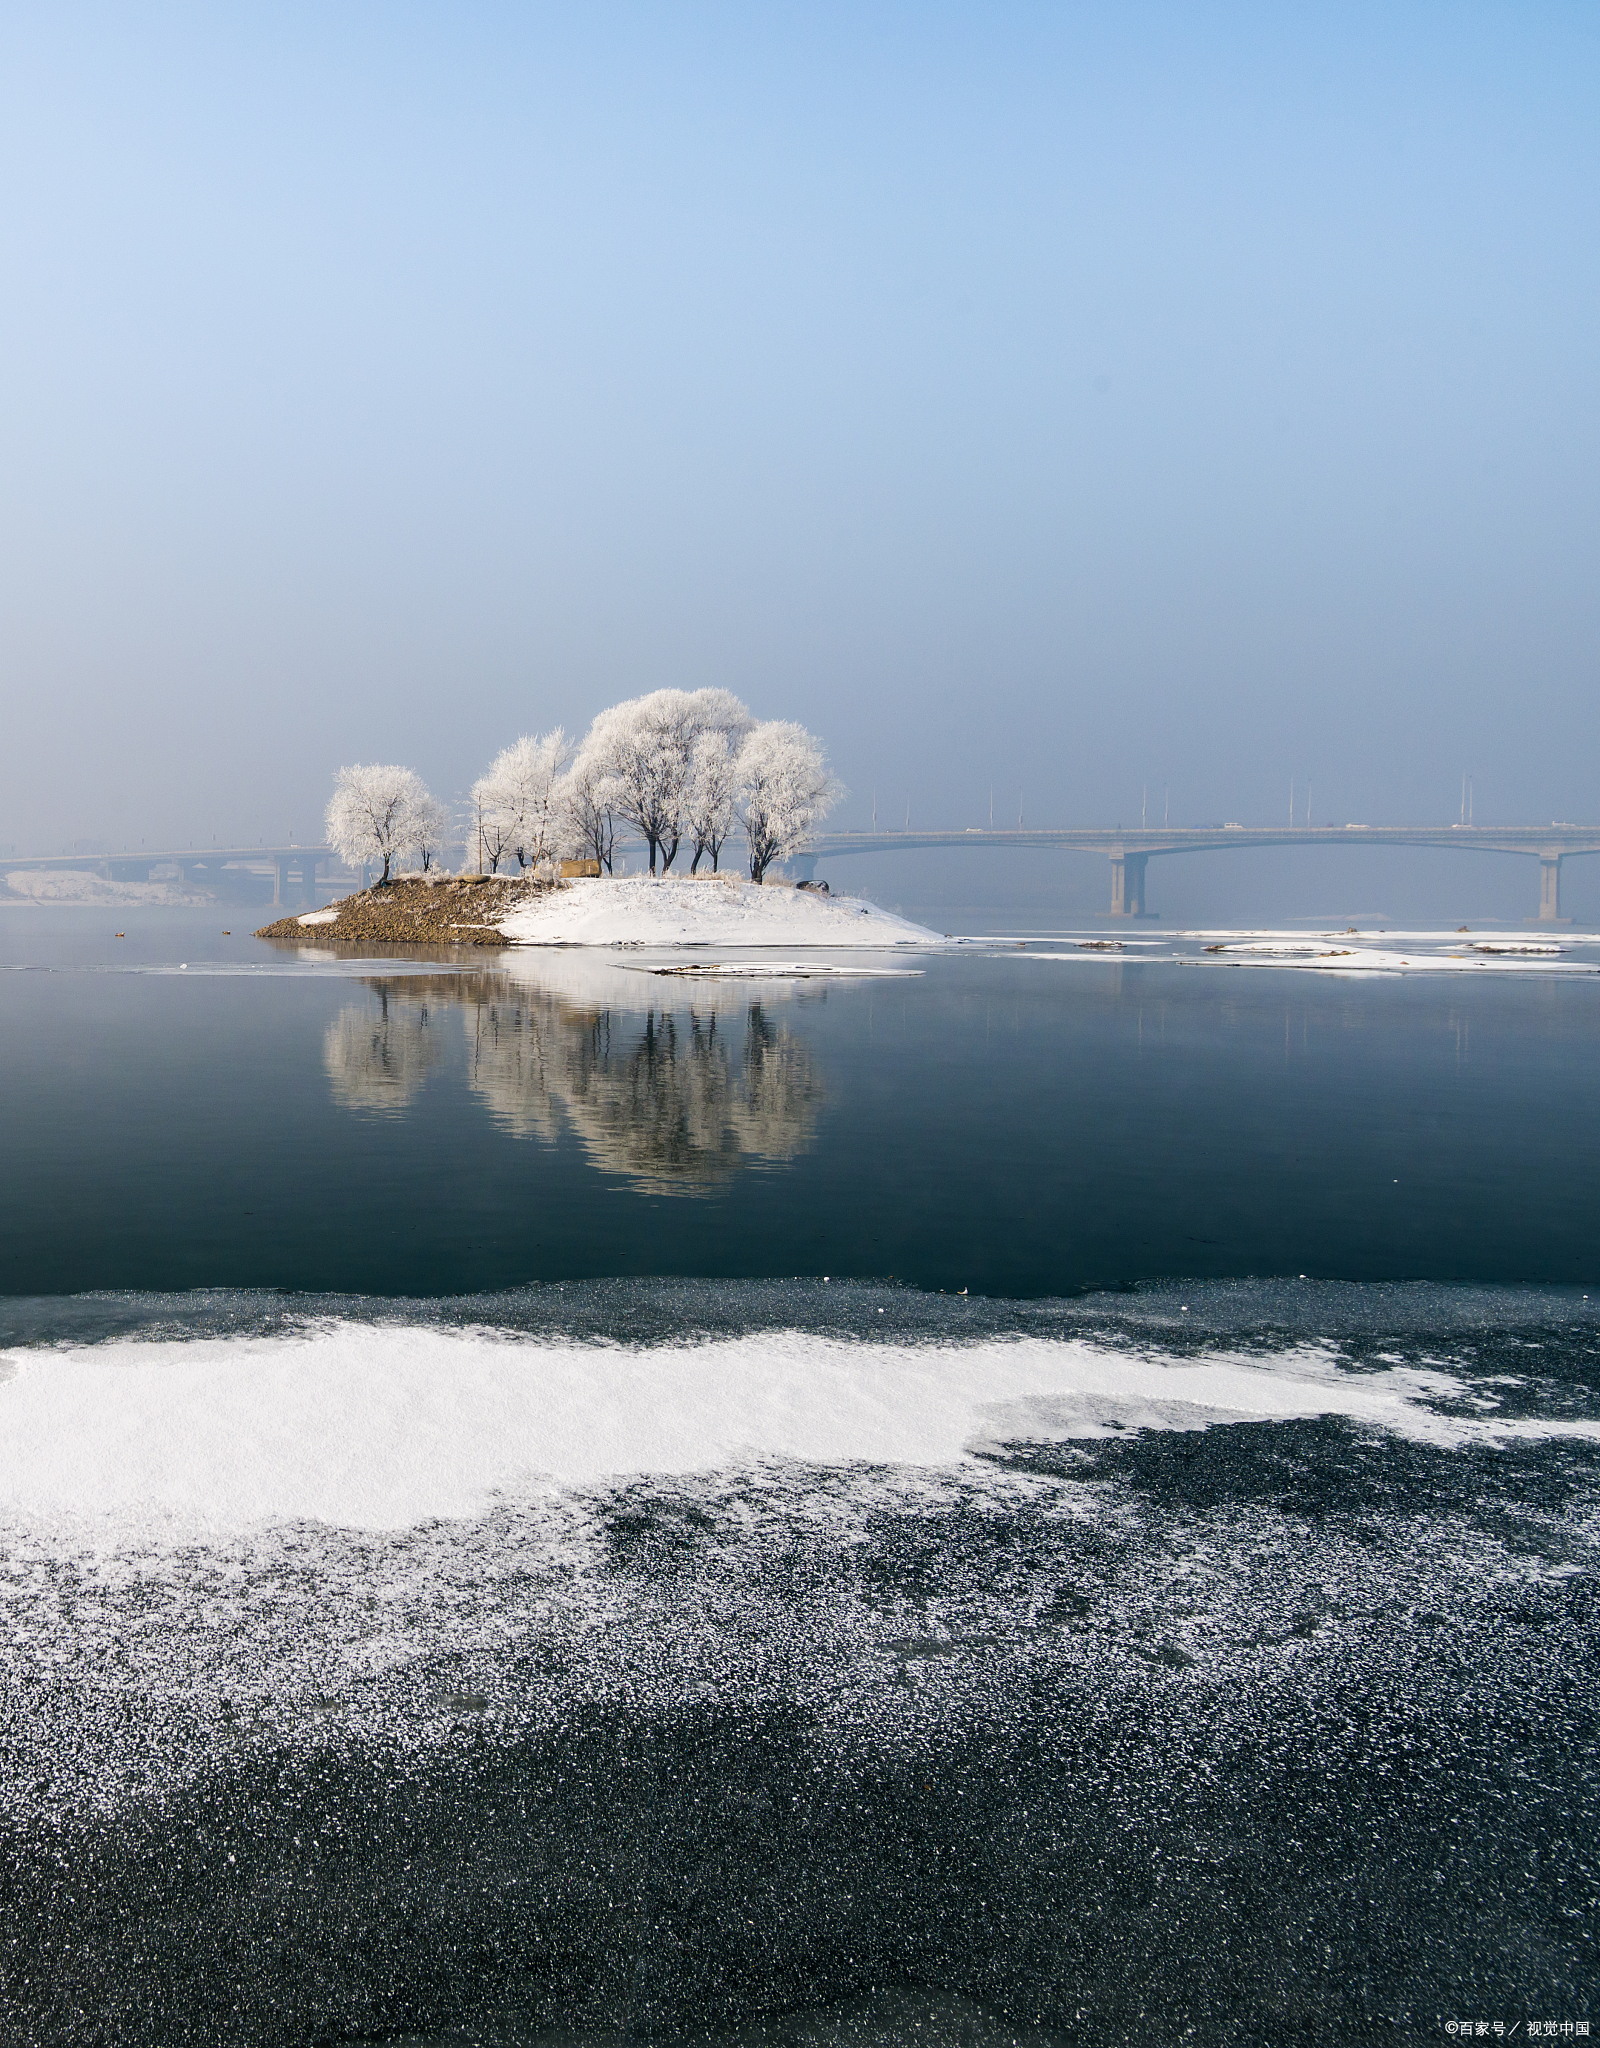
<point x="512" y="1531"/>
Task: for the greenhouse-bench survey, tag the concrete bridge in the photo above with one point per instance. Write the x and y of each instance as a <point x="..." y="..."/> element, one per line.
<point x="1129" y="852"/>
<point x="196" y="863"/>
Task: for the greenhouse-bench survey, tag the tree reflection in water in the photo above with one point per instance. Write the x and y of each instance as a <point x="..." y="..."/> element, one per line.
<point x="675" y="1098"/>
<point x="377" y="1060"/>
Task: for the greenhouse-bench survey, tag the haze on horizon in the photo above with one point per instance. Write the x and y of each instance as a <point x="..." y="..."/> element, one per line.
<point x="1066" y="401"/>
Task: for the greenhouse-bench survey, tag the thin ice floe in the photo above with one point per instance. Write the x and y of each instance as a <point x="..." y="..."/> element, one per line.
<point x="781" y="970"/>
<point x="1337" y="952"/>
<point x="373" y="1426"/>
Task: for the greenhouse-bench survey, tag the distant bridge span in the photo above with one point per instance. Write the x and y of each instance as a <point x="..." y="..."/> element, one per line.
<point x="1128" y="852"/>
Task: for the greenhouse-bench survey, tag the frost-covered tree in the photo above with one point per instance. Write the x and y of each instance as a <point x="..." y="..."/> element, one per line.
<point x="719" y="711"/>
<point x="785" y="790"/>
<point x="588" y="816"/>
<point x="430" y="822"/>
<point x="532" y="770"/>
<point x="711" y="805"/>
<point x="631" y="748"/>
<point x="376" y="813"/>
<point x="495" y="826"/>
<point x="644" y="749"/>
<point x="517" y="799"/>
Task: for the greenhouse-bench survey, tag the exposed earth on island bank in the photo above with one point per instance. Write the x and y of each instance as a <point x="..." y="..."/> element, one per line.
<point x="443" y="910"/>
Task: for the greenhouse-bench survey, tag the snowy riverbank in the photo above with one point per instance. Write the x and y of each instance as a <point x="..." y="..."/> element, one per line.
<point x="51" y="888"/>
<point x="721" y="910"/>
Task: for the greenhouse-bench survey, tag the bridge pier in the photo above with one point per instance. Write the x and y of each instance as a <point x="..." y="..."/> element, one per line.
<point x="1550" y="887"/>
<point x="1127" y="884"/>
<point x="282" y="863"/>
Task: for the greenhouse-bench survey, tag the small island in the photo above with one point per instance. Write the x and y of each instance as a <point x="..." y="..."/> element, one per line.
<point x="682" y="769"/>
<point x="625" y="910"/>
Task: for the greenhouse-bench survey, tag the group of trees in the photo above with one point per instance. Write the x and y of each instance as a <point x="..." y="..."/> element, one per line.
<point x="682" y="768"/>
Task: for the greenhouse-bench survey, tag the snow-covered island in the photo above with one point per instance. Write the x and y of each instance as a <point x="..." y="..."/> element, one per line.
<point x="675" y="911"/>
<point x="682" y="769"/>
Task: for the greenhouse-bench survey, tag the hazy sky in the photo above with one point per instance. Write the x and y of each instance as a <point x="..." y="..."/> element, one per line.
<point x="1068" y="398"/>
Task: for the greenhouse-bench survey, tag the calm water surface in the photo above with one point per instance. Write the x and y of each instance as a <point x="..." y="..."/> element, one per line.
<point x="259" y="1118"/>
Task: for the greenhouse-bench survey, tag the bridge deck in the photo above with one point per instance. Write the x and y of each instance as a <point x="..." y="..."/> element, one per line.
<point x="1129" y="849"/>
<point x="1543" y="841"/>
<point x="181" y="856"/>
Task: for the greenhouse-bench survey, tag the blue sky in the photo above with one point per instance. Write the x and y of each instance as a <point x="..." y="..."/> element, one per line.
<point x="1069" y="399"/>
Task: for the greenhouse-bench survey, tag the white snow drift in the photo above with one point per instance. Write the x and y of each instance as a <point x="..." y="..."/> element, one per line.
<point x="372" y="1426"/>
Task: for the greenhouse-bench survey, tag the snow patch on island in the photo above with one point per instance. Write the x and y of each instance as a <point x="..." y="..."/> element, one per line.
<point x="718" y="910"/>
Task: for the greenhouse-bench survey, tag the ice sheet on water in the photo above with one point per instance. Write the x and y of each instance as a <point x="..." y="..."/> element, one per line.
<point x="387" y="1424"/>
<point x="1057" y="1543"/>
<point x="1147" y="1561"/>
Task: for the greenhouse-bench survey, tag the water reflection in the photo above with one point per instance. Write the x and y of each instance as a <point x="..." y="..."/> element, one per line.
<point x="675" y="1092"/>
<point x="377" y="1058"/>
